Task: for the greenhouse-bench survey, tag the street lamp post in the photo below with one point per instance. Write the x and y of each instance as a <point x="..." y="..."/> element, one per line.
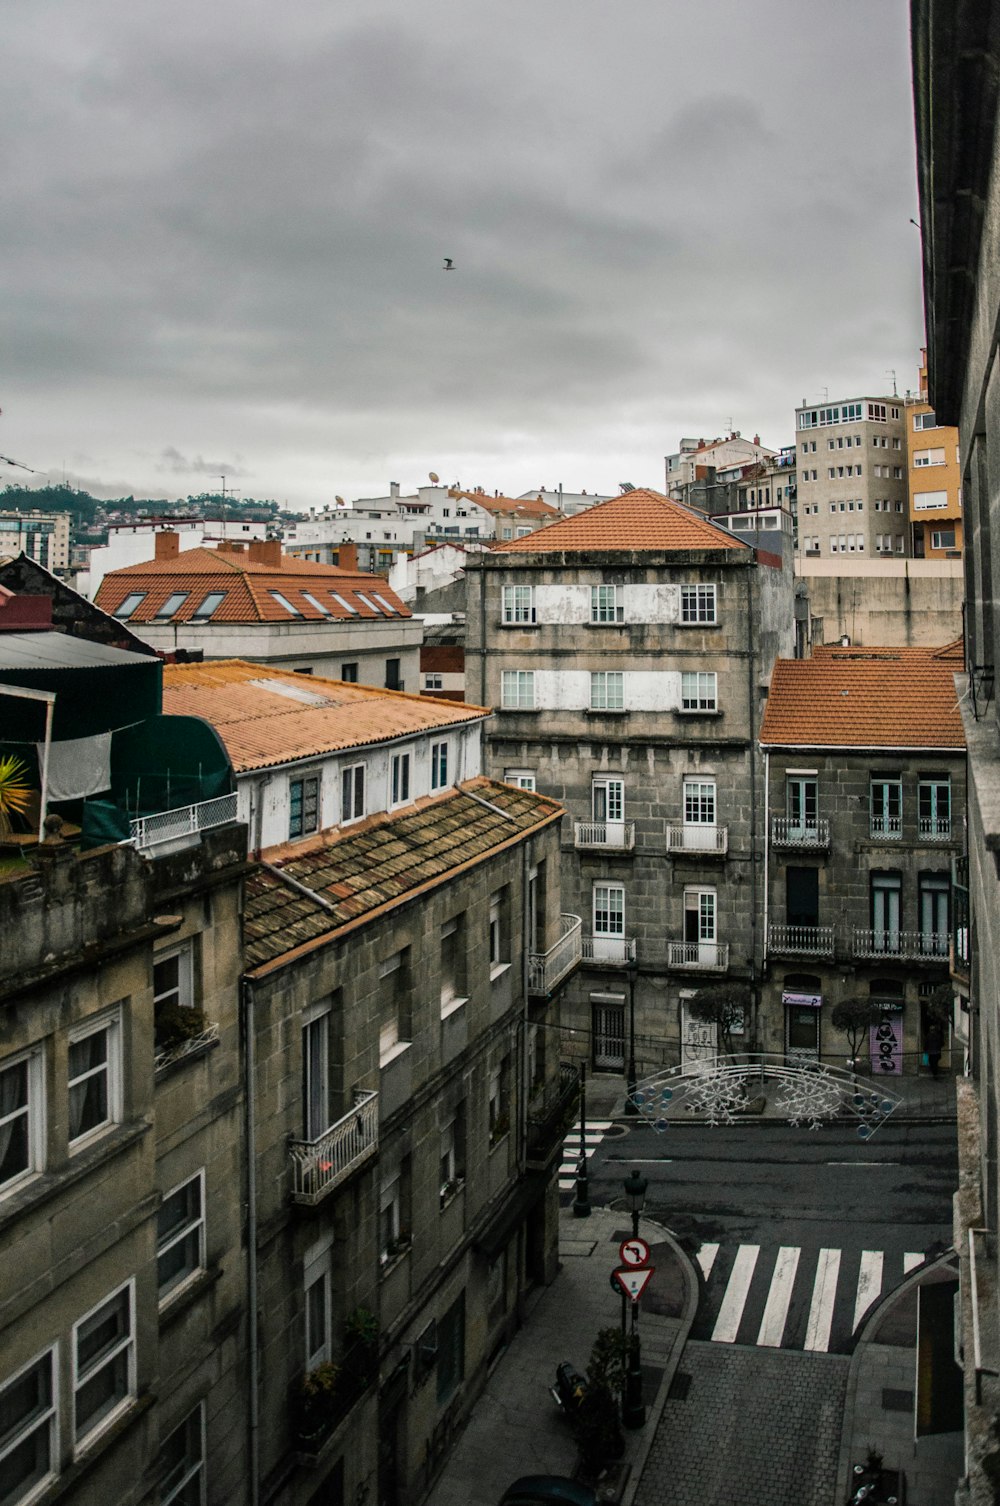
<point x="631" y="1107"/>
<point x="633" y="1407"/>
<point x="581" y="1203"/>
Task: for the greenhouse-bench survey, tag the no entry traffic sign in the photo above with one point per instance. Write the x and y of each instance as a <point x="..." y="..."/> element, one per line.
<point x="633" y="1252"/>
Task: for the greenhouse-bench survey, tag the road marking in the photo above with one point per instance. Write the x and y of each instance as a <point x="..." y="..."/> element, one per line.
<point x="728" y="1322"/>
<point x="911" y="1260"/>
<point x="869" y="1283"/>
<point x="779" y="1295"/>
<point x="862" y="1163"/>
<point x="706" y="1259"/>
<point x="639" y="1161"/>
<point x="824" y="1294"/>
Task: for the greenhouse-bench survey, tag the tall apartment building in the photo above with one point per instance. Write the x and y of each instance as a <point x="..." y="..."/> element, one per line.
<point x="852" y="492"/>
<point x="934" y="478"/>
<point x="42" y="536"/>
<point x="625" y="652"/>
<point x="956" y="62"/>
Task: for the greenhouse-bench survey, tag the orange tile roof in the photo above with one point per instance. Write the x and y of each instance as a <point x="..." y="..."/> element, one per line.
<point x="530" y="507"/>
<point x="271" y="716"/>
<point x="357" y="873"/>
<point x="639" y="520"/>
<point x="248" y="587"/>
<point x="865" y="698"/>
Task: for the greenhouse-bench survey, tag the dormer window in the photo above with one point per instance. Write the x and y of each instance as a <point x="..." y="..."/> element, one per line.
<point x="315" y="602"/>
<point x="207" y="606"/>
<point x="283" y="601"/>
<point x="173" y="604"/>
<point x="129" y="605"/>
<point x="343" y="602"/>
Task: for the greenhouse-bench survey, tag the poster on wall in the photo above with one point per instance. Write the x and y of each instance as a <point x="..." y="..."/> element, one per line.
<point x="886" y="1041"/>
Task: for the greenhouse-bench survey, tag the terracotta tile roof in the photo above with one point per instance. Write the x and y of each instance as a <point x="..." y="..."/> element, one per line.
<point x="528" y="507"/>
<point x="247" y="586"/>
<point x="358" y="872"/>
<point x="270" y="716"/>
<point x="638" y="520"/>
<point x="865" y="698"/>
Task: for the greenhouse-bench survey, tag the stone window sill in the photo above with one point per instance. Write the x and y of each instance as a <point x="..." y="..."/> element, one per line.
<point x="452" y="1007"/>
<point x="678" y="711"/>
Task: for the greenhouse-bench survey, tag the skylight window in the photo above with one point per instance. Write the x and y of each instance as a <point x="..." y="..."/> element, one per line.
<point x="207" y="606"/>
<point x="173" y="603"/>
<point x="128" y="606"/>
<point x="383" y="603"/>
<point x="314" y="602"/>
<point x="369" y="604"/>
<point x="343" y="602"/>
<point x="283" y="601"/>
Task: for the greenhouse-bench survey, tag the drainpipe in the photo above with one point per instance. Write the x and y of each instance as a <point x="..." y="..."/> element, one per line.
<point x="482" y="635"/>
<point x="525" y="1026"/>
<point x="751" y="687"/>
<point x="767" y="845"/>
<point x="250" y="1103"/>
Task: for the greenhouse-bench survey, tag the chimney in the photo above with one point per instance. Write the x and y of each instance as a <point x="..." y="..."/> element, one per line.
<point x="347" y="555"/>
<point x="393" y="488"/>
<point x="266" y="552"/>
<point x="168" y="545"/>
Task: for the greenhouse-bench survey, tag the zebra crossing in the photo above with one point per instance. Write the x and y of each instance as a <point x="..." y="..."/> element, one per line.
<point x="790" y="1298"/>
<point x="592" y="1137"/>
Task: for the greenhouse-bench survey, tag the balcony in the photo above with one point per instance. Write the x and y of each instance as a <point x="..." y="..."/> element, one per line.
<point x="930" y="827"/>
<point x="318" y="1166"/>
<point x="786" y="832"/>
<point x="181" y="824"/>
<point x="609" y="951"/>
<point x="800" y="941"/>
<point x="546" y="970"/>
<point x="550" y="1113"/>
<point x="699" y="956"/>
<point x="609" y="836"/>
<point x="886" y="828"/>
<point x="698" y="840"/>
<point x="913" y="946"/>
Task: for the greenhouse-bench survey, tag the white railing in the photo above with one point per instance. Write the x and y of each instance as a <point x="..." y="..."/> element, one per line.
<point x="694" y="837"/>
<point x="712" y="956"/>
<point x="909" y="944"/>
<point x="318" y="1166"/>
<point x="886" y="826"/>
<point x="801" y="941"/>
<point x="167" y="826"/>
<point x="787" y="832"/>
<point x="615" y="950"/>
<point x="619" y="835"/>
<point x="547" y="969"/>
<point x="189" y="1047"/>
<point x="934" y="826"/>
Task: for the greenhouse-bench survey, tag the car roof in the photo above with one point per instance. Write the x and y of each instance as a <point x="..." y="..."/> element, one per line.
<point x="548" y="1488"/>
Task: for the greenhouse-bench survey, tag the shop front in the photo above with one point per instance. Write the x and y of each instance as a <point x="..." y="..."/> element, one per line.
<point x="802" y="1016"/>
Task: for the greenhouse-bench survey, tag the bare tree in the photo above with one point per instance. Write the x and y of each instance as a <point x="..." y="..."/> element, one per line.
<point x="725" y="1005"/>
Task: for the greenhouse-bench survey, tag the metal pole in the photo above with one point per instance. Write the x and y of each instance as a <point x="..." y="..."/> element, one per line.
<point x="581" y="1205"/>
<point x="631" y="1108"/>
<point x="634" y="1408"/>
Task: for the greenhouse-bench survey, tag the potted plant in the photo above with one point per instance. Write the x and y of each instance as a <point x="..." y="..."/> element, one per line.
<point x="501" y="1127"/>
<point x="449" y="1189"/>
<point x="315" y="1401"/>
<point x="15" y="793"/>
<point x="177" y="1023"/>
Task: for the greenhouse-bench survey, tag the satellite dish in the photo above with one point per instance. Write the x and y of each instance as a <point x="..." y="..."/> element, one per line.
<point x="433" y="476"/>
<point x="341" y="501"/>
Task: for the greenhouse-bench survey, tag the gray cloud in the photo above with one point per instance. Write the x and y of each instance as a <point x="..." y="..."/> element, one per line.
<point x="172" y="460"/>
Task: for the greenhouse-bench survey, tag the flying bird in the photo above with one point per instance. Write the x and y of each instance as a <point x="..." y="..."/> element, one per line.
<point x="449" y="265"/>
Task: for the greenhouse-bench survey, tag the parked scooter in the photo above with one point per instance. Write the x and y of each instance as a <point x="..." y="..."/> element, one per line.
<point x="570" y="1388"/>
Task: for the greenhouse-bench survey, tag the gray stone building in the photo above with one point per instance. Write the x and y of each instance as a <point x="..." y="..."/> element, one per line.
<point x="864" y="767"/>
<point x="402" y="1019"/>
<point x="956" y="62"/>
<point x="625" y="652"/>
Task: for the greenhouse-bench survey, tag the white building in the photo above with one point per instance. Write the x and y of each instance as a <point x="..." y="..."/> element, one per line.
<point x="133" y="543"/>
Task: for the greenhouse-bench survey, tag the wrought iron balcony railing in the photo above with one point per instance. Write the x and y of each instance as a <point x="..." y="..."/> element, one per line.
<point x="185" y="820"/>
<point x="318" y="1166"/>
<point x="911" y="945"/>
<point x="787" y="832"/>
<point x="800" y="941"/>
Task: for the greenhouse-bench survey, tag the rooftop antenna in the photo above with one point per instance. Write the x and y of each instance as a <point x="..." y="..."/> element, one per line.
<point x="893" y="375"/>
<point x="824" y="393"/>
<point x="729" y="424"/>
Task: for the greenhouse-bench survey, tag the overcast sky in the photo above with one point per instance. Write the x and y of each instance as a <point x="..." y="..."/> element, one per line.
<point x="224" y="221"/>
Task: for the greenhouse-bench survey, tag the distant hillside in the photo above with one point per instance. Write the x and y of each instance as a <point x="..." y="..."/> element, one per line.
<point x="92" y="515"/>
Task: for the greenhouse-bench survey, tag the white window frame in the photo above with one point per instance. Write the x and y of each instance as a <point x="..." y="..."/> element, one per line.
<point x="316" y="1112"/>
<point x="349" y="800"/>
<point x="607" y="690"/>
<point x="439" y="765"/>
<point x="612" y="915"/>
<point x="304" y="778"/>
<point x="185" y="975"/>
<point x="433" y="680"/>
<point x="698" y="794"/>
<point x="448" y="1160"/>
<point x="699" y="605"/>
<point x="399" y="779"/>
<point x="390" y="1213"/>
<point x="47" y="1418"/>
<point x="523" y="779"/>
<point x="517" y="689"/>
<point x="605" y="608"/>
<point x="126" y="1346"/>
<point x="498" y="962"/>
<point x="518" y="605"/>
<point x="193" y="1469"/>
<point x="699" y="690"/>
<point x="109" y="1023"/>
<point x="34" y="1113"/>
<point x="316" y="1272"/>
<point x="166" y="1243"/>
<point x="937" y="538"/>
<point x="705" y="903"/>
<point x="612" y="787"/>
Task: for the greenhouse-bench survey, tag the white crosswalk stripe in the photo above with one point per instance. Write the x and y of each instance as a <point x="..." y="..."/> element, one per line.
<point x="727" y="1324"/>
<point x="823" y="1298"/>
<point x="706" y="1259"/>
<point x="911" y="1260"/>
<point x="779" y="1296"/>
<point x="592" y="1137"/>
<point x="869" y="1283"/>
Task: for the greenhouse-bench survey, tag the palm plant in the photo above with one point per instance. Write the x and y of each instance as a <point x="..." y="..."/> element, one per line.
<point x="15" y="792"/>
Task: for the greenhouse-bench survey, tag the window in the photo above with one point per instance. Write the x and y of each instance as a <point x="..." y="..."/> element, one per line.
<point x="388" y="609"/>
<point x="699" y="918"/>
<point x="609" y="910"/>
<point x="498" y="1101"/>
<point x="343" y="602"/>
<point x="400" y="778"/>
<point x="607" y="690"/>
<point x="316" y="1075"/>
<point x="349" y="672"/>
<point x="182" y="1462"/>
<point x="886" y="805"/>
<point x="699" y="802"/>
<point x="207" y="606"/>
<point x="943" y="538"/>
<point x="517" y="689"/>
<point x="604" y="604"/>
<point x="290" y="608"/>
<point x="317" y="1305"/>
<point x="21" y="1120"/>
<point x="129" y="605"/>
<point x="173" y="988"/>
<point x="367" y="603"/>
<point x="439" y="765"/>
<point x="393" y="679"/>
<point x="802" y="896"/>
<point x="518" y="604"/>
<point x="103" y="1362"/>
<point x="394" y="1005"/>
<point x="451" y="1350"/>
<point x="698" y="604"/>
<point x="932" y="898"/>
<point x="29" y="1419"/>
<point x="94" y="1071"/>
<point x="608" y="800"/>
<point x="934" y="805"/>
<point x="499" y="931"/>
<point x="173" y="604"/>
<point x="303" y="805"/>
<point x="393" y="1237"/>
<point x="452" y="1156"/>
<point x="180" y="1235"/>
<point x="929" y="457"/>
<point x="524" y="779"/>
<point x="929" y="501"/>
<point x="453" y="987"/>
<point x="699" y="690"/>
<point x="352" y="792"/>
<point x="433" y="682"/>
<point x="801" y="802"/>
<point x="319" y="606"/>
<point x="925" y="421"/>
<point x="886" y="901"/>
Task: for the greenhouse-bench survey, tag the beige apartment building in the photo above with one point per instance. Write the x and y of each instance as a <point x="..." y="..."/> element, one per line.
<point x="934" y="479"/>
<point x="42" y="536"/>
<point x="852" y="496"/>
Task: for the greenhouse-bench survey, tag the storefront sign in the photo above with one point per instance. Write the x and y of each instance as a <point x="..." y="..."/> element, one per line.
<point x="809" y="1001"/>
<point x="886" y="1041"/>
